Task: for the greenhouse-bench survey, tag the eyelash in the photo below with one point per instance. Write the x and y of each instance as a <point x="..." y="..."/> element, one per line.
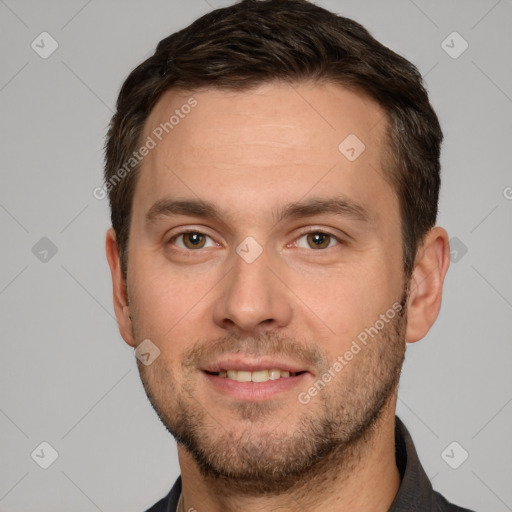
<point x="304" y="233"/>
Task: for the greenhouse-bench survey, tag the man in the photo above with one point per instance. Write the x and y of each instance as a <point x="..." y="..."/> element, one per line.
<point x="273" y="175"/>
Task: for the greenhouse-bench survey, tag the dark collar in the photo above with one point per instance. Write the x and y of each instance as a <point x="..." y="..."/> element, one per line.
<point x="415" y="492"/>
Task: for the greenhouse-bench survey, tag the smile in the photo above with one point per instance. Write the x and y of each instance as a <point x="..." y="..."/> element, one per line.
<point x="256" y="376"/>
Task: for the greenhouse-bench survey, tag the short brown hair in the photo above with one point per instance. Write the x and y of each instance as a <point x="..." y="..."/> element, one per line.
<point x="292" y="41"/>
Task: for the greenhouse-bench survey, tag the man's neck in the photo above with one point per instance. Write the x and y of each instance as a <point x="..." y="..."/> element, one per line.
<point x="363" y="478"/>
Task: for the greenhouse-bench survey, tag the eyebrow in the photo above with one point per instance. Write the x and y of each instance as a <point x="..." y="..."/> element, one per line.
<point x="339" y="206"/>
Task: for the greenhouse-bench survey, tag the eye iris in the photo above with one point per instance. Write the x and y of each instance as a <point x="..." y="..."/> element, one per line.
<point x="320" y="240"/>
<point x="194" y="240"/>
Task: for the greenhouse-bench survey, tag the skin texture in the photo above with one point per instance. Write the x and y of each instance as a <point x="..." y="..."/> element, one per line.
<point x="251" y="153"/>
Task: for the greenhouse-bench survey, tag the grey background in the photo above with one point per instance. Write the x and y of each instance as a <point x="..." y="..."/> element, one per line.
<point x="67" y="378"/>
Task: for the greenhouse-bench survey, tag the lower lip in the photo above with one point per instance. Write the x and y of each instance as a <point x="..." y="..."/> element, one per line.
<point x="254" y="390"/>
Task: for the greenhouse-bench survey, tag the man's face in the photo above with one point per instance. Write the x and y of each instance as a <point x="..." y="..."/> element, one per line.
<point x="265" y="287"/>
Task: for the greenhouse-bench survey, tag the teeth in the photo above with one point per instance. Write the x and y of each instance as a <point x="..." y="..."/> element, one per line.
<point x="274" y="374"/>
<point x="243" y="376"/>
<point x="258" y="376"/>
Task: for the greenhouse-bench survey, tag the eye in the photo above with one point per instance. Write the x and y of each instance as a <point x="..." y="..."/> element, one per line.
<point x="317" y="240"/>
<point x="191" y="240"/>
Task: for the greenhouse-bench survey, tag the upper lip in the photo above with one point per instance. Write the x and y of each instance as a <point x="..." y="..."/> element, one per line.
<point x="247" y="364"/>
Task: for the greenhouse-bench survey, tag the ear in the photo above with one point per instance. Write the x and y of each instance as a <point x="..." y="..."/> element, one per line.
<point x="121" y="307"/>
<point x="426" y="287"/>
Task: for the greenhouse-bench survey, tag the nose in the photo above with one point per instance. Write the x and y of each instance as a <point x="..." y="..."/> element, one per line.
<point x="252" y="298"/>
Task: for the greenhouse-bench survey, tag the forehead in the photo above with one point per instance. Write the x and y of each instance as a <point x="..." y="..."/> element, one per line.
<point x="299" y="115"/>
<point x="249" y="148"/>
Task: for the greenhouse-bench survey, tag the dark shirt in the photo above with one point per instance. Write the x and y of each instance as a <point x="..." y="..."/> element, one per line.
<point x="414" y="495"/>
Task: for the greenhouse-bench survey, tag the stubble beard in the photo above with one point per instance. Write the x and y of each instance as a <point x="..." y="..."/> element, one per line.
<point x="330" y="434"/>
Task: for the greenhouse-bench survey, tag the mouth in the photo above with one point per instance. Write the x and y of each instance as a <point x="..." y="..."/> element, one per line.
<point x="246" y="379"/>
<point x="255" y="376"/>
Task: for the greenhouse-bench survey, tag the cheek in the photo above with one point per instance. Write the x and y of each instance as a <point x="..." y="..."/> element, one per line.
<point x="338" y="307"/>
<point x="167" y="303"/>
